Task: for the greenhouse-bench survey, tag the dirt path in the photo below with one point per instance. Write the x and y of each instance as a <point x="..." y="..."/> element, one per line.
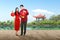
<point x="31" y="35"/>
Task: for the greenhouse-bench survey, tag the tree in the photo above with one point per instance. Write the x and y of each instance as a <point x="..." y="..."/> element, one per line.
<point x="56" y="18"/>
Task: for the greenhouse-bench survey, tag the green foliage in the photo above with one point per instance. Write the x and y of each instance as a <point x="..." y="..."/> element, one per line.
<point x="6" y="25"/>
<point x="56" y="18"/>
<point x="58" y="22"/>
<point x="47" y="23"/>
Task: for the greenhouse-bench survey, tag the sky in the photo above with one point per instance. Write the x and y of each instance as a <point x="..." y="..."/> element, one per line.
<point x="35" y="7"/>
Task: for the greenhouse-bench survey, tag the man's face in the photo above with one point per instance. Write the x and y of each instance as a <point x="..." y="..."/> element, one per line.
<point x="21" y="7"/>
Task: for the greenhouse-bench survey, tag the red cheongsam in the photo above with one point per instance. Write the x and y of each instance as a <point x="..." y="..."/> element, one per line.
<point x="16" y="21"/>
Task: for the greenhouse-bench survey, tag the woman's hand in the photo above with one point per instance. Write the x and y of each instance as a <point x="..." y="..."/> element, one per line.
<point x="12" y="14"/>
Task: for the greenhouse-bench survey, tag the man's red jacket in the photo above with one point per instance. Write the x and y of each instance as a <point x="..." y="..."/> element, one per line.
<point x="24" y="12"/>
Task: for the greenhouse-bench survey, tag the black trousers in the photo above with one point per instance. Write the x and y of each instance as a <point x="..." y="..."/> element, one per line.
<point x="23" y="27"/>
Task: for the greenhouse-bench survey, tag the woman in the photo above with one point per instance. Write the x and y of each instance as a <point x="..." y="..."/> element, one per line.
<point x="17" y="20"/>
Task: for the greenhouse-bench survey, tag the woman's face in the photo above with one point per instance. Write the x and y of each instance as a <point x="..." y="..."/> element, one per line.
<point x="16" y="9"/>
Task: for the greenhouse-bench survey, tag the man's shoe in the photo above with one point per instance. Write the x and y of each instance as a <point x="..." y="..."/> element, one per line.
<point x="24" y="34"/>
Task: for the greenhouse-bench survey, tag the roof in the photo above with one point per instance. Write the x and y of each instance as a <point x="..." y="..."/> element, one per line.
<point x="39" y="16"/>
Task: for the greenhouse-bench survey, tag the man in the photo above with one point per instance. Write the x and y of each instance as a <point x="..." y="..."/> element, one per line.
<point x="23" y="14"/>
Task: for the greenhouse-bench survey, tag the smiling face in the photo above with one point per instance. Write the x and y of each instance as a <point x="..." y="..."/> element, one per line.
<point x="17" y="9"/>
<point x="21" y="7"/>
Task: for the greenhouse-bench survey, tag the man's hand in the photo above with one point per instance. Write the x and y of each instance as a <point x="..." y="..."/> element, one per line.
<point x="21" y="16"/>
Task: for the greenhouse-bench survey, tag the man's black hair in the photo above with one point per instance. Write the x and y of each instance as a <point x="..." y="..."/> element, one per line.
<point x="21" y="5"/>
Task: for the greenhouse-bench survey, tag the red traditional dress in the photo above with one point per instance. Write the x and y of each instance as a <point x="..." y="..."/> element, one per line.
<point x="16" y="21"/>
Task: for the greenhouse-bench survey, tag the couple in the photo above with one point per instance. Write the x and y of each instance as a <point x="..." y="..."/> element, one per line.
<point x="20" y="19"/>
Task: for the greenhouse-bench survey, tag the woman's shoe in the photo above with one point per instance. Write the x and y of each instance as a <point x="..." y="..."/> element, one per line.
<point x="17" y="35"/>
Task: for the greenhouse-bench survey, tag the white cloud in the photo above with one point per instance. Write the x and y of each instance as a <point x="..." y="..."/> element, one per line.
<point x="42" y="11"/>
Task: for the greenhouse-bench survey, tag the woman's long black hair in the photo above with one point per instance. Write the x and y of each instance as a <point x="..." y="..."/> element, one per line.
<point x="16" y="9"/>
